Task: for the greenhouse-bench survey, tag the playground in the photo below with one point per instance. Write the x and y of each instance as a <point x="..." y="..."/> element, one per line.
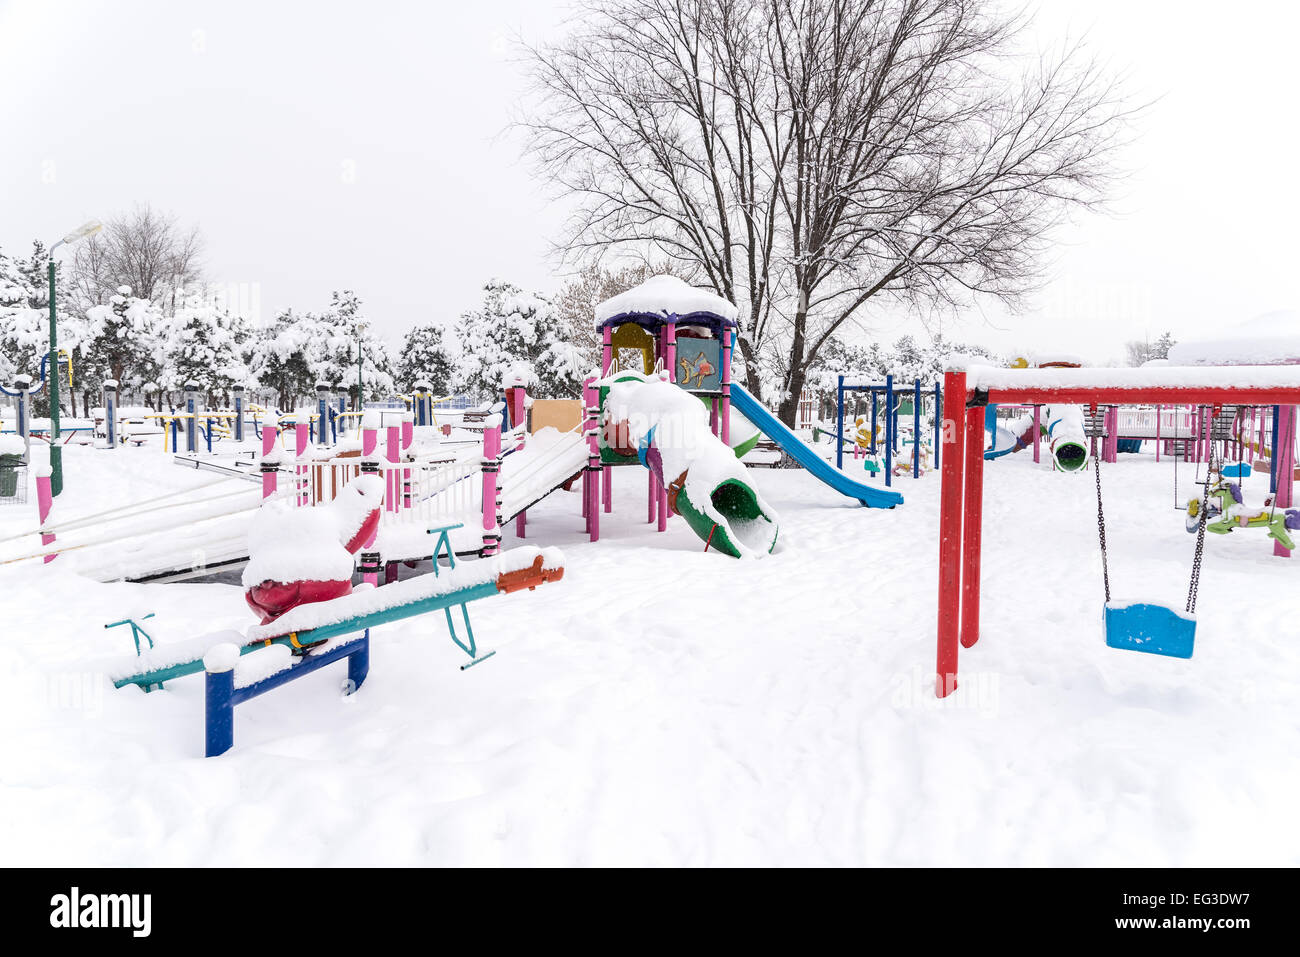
<point x="599" y="632"/>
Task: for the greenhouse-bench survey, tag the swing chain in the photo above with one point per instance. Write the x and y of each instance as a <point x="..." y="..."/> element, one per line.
<point x="1101" y="521"/>
<point x="1195" y="584"/>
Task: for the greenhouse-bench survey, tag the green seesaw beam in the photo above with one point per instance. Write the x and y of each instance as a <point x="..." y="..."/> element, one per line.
<point x="312" y="624"/>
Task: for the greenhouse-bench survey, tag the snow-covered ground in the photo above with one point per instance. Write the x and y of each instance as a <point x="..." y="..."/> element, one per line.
<point x="661" y="705"/>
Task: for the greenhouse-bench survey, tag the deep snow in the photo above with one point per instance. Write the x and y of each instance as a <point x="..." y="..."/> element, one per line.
<point x="660" y="705"/>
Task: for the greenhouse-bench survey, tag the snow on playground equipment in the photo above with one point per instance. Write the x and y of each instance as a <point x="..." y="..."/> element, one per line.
<point x="240" y="667"/>
<point x="1064" y="424"/>
<point x="686" y="336"/>
<point x="668" y="432"/>
<point x="899" y="402"/>
<point x="966" y="393"/>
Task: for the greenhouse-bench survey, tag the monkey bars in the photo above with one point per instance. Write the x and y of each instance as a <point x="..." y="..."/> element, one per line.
<point x="966" y="393"/>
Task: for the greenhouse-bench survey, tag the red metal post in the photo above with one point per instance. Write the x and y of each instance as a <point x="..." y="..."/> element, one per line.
<point x="972" y="517"/>
<point x="950" y="516"/>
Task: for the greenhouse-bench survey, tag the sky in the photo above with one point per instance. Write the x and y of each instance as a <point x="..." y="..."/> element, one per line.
<point x="323" y="146"/>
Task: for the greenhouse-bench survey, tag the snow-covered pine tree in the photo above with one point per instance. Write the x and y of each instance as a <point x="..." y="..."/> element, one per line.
<point x="509" y="327"/>
<point x="279" y="358"/>
<point x="335" y="359"/>
<point x="428" y="354"/>
<point x="121" y="341"/>
<point x="201" y="348"/>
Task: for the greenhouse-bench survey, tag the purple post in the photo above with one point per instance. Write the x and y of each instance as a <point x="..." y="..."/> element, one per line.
<point x="606" y="351"/>
<point x="1285" y="456"/>
<point x="491" y="462"/>
<point x="652" y="497"/>
<point x="607" y="480"/>
<point x="270" y="469"/>
<point x="669" y="332"/>
<point x="45" y="502"/>
<point x="724" y="412"/>
<point x="590" y="397"/>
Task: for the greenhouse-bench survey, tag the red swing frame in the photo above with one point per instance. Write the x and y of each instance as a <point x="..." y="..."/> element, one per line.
<point x="965" y="396"/>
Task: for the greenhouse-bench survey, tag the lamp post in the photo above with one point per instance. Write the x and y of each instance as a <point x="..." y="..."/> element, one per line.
<point x="361" y="328"/>
<point x="56" y="453"/>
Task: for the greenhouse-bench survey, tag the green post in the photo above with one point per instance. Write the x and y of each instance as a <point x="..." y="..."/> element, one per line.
<point x="56" y="453"/>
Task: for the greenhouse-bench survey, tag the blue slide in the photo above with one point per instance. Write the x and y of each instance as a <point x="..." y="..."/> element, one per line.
<point x="778" y="432"/>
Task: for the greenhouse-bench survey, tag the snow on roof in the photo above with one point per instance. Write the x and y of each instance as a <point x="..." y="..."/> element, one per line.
<point x="1146" y="377"/>
<point x="665" y="296"/>
<point x="1270" y="339"/>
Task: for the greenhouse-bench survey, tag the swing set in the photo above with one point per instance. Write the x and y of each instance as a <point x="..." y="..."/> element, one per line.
<point x="1142" y="626"/>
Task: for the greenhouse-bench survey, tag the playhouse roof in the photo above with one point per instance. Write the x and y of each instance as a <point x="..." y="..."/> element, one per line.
<point x="663" y="298"/>
<point x="1270" y="339"/>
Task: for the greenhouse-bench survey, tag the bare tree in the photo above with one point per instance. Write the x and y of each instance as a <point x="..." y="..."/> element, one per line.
<point x="803" y="157"/>
<point x="144" y="249"/>
<point x="576" y="302"/>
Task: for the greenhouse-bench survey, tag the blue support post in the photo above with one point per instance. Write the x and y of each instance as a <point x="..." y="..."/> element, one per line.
<point x="839" y="424"/>
<point x="916" y="432"/>
<point x="889" y="430"/>
<point x="208" y="423"/>
<point x="110" y="413"/>
<point x="238" y="393"/>
<point x="219" y="712"/>
<point x="322" y="411"/>
<point x="192" y="423"/>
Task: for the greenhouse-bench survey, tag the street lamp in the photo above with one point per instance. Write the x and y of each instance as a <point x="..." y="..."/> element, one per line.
<point x="56" y="452"/>
<point x="361" y="328"/>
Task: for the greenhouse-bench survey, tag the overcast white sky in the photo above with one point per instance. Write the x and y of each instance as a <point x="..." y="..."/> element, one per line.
<point x="326" y="145"/>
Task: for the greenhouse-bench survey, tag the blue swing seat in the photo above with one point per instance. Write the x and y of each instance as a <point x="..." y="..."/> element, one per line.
<point x="1155" y="629"/>
<point x="1239" y="471"/>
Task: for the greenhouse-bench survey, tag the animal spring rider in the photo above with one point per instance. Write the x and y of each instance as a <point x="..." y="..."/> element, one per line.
<point x="1225" y="511"/>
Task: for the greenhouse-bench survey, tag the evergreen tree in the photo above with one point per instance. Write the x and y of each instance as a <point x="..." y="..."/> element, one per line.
<point x="428" y="355"/>
<point x="512" y="327"/>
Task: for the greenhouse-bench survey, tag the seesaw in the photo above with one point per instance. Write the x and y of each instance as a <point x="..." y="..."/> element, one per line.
<point x="304" y="633"/>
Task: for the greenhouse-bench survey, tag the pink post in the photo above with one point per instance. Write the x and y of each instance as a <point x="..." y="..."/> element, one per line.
<point x="408" y="437"/>
<point x="663" y="508"/>
<point x="369" y="442"/>
<point x="652" y="498"/>
<point x="607" y="480"/>
<point x="590" y="397"/>
<point x="393" y="492"/>
<point x="270" y="469"/>
<point x="301" y="442"/>
<point x="1157" y="433"/>
<point x="1284" y="455"/>
<point x="491" y="462"/>
<point x="1037" y="432"/>
<point x="45" y="502"/>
